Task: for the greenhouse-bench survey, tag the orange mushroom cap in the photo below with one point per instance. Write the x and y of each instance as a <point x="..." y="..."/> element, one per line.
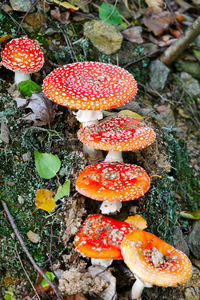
<point x="120" y="133"/>
<point x="113" y="181"/>
<point x="90" y="86"/>
<point x="100" y="237"/>
<point x="22" y="55"/>
<point x="154" y="261"/>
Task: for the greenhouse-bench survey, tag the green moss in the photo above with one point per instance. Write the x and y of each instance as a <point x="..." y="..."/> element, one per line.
<point x="173" y="193"/>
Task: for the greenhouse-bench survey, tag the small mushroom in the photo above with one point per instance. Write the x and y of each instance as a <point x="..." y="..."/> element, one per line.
<point x="112" y="182"/>
<point x="154" y="262"/>
<point x="23" y="56"/>
<point x="117" y="134"/>
<point x="99" y="238"/>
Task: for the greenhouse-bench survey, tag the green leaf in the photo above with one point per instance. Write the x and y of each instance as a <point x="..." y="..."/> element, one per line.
<point x="196" y="52"/>
<point x="122" y="26"/>
<point x="50" y="276"/>
<point x="9" y="296"/>
<point x="109" y="14"/>
<point x="27" y="87"/>
<point x="46" y="164"/>
<point x="191" y="215"/>
<point x="63" y="190"/>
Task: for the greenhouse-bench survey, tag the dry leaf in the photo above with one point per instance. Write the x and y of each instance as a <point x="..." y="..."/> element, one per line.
<point x="43" y="110"/>
<point x="130" y="113"/>
<point x="44" y="200"/>
<point x="133" y="34"/>
<point x="33" y="237"/>
<point x="66" y="5"/>
<point x="62" y="17"/>
<point x="155" y="4"/>
<point x="137" y="221"/>
<point x="158" y="22"/>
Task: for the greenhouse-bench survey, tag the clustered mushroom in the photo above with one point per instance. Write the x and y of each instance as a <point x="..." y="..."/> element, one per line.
<point x="92" y="87"/>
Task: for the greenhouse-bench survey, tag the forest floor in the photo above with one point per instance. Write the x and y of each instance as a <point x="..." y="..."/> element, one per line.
<point x="169" y="100"/>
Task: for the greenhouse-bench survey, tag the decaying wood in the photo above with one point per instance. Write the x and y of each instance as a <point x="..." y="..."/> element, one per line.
<point x="182" y="43"/>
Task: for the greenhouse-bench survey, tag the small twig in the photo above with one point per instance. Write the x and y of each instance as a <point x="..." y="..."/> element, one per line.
<point x="175" y="50"/>
<point x="28" y="11"/>
<point x="151" y="53"/>
<point x="36" y="293"/>
<point x="12" y="223"/>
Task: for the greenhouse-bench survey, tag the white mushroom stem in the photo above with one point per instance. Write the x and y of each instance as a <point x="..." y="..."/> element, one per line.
<point x="89" y="117"/>
<point x="138" y="287"/>
<point x="114" y="156"/>
<point x="101" y="262"/>
<point x="108" y="207"/>
<point x="20" y="76"/>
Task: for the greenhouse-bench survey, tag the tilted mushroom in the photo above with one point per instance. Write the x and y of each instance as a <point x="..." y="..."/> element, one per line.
<point x="99" y="238"/>
<point x="154" y="262"/>
<point x="112" y="182"/>
<point x="117" y="134"/>
<point x="23" y="56"/>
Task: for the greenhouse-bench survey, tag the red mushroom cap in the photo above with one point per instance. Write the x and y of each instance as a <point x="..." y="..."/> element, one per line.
<point x="113" y="181"/>
<point x="121" y="133"/>
<point x="22" y="55"/>
<point x="154" y="261"/>
<point x="100" y="237"/>
<point x="90" y="86"/>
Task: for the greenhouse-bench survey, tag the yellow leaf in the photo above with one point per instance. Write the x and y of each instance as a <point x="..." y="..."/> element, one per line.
<point x="44" y="200"/>
<point x="130" y="113"/>
<point x="66" y="5"/>
<point x="137" y="221"/>
<point x="182" y="114"/>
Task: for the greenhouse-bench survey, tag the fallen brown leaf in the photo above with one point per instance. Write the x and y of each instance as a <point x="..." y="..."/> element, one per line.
<point x="62" y="17"/>
<point x="155" y="4"/>
<point x="33" y="237"/>
<point x="133" y="34"/>
<point x="157" y="22"/>
<point x="43" y="111"/>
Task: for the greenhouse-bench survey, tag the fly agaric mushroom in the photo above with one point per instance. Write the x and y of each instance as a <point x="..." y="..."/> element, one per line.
<point x="90" y="87"/>
<point x="100" y="237"/>
<point x="154" y="262"/>
<point x="23" y="56"/>
<point x="117" y="134"/>
<point x="112" y="182"/>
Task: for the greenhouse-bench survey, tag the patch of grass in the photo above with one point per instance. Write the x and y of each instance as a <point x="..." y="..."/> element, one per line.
<point x="173" y="193"/>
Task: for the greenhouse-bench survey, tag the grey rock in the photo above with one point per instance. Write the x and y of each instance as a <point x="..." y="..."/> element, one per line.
<point x="190" y="84"/>
<point x="197" y="41"/>
<point x="158" y="75"/>
<point x="179" y="241"/>
<point x="20" y="5"/>
<point x="103" y="36"/>
<point x="190" y="67"/>
<point x="194" y="240"/>
<point x="149" y="47"/>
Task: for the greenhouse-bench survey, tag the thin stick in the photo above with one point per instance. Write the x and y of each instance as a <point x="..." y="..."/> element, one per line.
<point x="12" y="223"/>
<point x="174" y="51"/>
<point x="143" y="57"/>
<point x="36" y="293"/>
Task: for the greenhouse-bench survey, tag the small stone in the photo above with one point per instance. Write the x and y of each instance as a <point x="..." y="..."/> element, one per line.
<point x="33" y="237"/>
<point x="192" y="293"/>
<point x="179" y="241"/>
<point x="190" y="67"/>
<point x="26" y="156"/>
<point x="20" y="5"/>
<point x="158" y="75"/>
<point x="194" y="240"/>
<point x="20" y="199"/>
<point x="103" y="36"/>
<point x="165" y="118"/>
<point x="4" y="132"/>
<point x="190" y="84"/>
<point x="34" y="21"/>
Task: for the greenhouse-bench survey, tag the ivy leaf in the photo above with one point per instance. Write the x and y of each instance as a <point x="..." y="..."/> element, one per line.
<point x="44" y="200"/>
<point x="191" y="215"/>
<point x="9" y="296"/>
<point x="27" y="87"/>
<point x="109" y="14"/>
<point x="196" y="52"/>
<point x="63" y="190"/>
<point x="50" y="276"/>
<point x="47" y="164"/>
